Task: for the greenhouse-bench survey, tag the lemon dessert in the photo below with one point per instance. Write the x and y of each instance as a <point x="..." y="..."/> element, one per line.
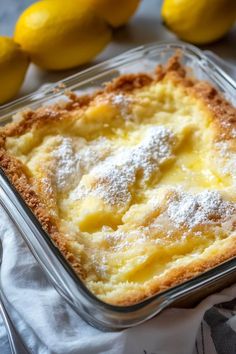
<point x="135" y="184"/>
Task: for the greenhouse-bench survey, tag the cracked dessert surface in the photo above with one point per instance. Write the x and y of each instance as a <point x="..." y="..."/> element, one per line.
<point x="135" y="184"/>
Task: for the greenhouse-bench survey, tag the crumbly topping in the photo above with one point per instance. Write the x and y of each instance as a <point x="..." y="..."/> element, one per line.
<point x="191" y="210"/>
<point x="115" y="176"/>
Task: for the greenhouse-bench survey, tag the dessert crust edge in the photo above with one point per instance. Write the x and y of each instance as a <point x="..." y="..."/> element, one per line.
<point x="224" y="119"/>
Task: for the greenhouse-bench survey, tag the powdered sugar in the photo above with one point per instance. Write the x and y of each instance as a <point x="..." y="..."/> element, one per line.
<point x="119" y="99"/>
<point x="228" y="159"/>
<point x="66" y="163"/>
<point x="47" y="186"/>
<point x="119" y="239"/>
<point x="191" y="210"/>
<point x="233" y="133"/>
<point x="123" y="103"/>
<point x="116" y="175"/>
<point x="73" y="160"/>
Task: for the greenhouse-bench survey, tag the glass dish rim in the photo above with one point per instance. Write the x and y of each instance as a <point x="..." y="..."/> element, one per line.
<point x="42" y="95"/>
<point x="52" y="90"/>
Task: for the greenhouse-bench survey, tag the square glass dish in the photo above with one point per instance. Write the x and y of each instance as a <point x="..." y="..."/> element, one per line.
<point x="90" y="308"/>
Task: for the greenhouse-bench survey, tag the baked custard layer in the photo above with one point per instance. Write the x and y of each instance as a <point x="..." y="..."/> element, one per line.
<point x="135" y="184"/>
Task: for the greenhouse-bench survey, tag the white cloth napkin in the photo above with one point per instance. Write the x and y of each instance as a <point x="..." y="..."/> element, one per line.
<point x="49" y="325"/>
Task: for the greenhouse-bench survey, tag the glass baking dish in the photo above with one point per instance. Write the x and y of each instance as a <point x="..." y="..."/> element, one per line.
<point x="59" y="272"/>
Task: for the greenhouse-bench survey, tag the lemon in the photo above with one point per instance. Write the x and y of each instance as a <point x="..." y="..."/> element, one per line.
<point x="60" y="34"/>
<point x="201" y="21"/>
<point x="13" y="65"/>
<point x="115" y="12"/>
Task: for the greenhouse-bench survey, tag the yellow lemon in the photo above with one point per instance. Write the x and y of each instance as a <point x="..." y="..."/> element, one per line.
<point x="13" y="66"/>
<point x="200" y="21"/>
<point x="60" y="34"/>
<point x="115" y="12"/>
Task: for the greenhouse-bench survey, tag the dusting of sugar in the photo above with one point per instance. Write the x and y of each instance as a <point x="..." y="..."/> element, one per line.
<point x="119" y="99"/>
<point x="191" y="210"/>
<point x="119" y="240"/>
<point x="115" y="175"/>
<point x="228" y="159"/>
<point x="47" y="185"/>
<point x="103" y="266"/>
<point x="100" y="265"/>
<point x="73" y="161"/>
<point x="66" y="164"/>
<point x="233" y="133"/>
<point x="123" y="103"/>
<point x="183" y="209"/>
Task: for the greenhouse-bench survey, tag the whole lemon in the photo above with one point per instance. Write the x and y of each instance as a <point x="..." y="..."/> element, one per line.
<point x="201" y="21"/>
<point x="13" y="65"/>
<point x="61" y="34"/>
<point x="116" y="13"/>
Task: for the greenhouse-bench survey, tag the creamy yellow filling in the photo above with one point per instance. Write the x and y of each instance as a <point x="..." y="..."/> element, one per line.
<point x="118" y="177"/>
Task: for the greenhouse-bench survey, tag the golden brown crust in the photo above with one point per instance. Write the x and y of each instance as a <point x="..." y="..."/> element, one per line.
<point x="224" y="118"/>
<point x="224" y="113"/>
<point x="129" y="82"/>
<point x="16" y="172"/>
